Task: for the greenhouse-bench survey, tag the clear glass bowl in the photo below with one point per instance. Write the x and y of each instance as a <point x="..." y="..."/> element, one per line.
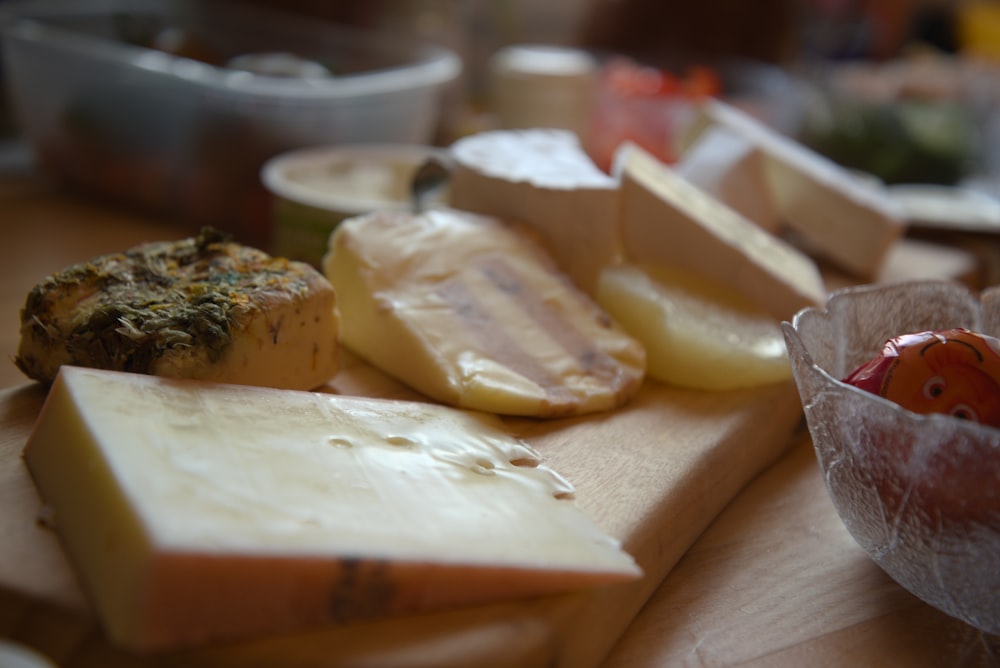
<point x="920" y="493"/>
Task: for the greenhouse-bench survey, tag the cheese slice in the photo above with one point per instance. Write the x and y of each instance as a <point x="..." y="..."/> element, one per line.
<point x="670" y="222"/>
<point x="473" y="314"/>
<point x="197" y="512"/>
<point x="697" y="334"/>
<point x="733" y="170"/>
<point x="544" y="179"/>
<point x="851" y="221"/>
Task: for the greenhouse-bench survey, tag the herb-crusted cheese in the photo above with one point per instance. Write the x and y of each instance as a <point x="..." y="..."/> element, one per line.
<point x="202" y="307"/>
<point x="198" y="512"/>
<point x="474" y="314"/>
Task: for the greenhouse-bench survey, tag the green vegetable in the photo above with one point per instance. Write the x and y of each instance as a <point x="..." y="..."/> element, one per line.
<point x="909" y="142"/>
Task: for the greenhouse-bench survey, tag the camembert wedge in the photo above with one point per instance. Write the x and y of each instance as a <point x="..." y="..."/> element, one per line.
<point x="731" y="168"/>
<point x="544" y="179"/>
<point x="202" y="307"/>
<point x="850" y="221"/>
<point x="475" y="315"/>
<point x="668" y="221"/>
<point x="198" y="512"/>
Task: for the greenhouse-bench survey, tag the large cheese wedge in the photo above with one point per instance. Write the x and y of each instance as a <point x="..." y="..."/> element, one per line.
<point x="670" y="222"/>
<point x="697" y="334"/>
<point x="473" y="314"/>
<point x="198" y="512"/>
<point x="852" y="222"/>
<point x="202" y="307"/>
<point x="545" y="179"/>
<point x="732" y="169"/>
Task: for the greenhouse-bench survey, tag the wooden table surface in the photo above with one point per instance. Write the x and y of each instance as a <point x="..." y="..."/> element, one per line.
<point x="774" y="580"/>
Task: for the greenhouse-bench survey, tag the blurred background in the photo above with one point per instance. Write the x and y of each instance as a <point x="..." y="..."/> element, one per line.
<point x="904" y="91"/>
<point x="793" y="56"/>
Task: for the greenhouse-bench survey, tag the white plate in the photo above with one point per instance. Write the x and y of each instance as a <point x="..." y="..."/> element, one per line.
<point x="948" y="208"/>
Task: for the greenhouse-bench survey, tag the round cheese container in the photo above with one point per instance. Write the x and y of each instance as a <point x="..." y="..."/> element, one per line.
<point x="538" y="86"/>
<point x="314" y="189"/>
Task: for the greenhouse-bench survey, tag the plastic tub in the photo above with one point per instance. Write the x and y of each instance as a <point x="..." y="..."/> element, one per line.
<point x="314" y="189"/>
<point x="144" y="101"/>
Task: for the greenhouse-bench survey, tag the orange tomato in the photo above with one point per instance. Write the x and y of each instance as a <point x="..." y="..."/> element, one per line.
<point x="953" y="372"/>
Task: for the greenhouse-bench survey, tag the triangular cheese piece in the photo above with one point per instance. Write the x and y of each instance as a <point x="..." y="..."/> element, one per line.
<point x="732" y="169"/>
<point x="197" y="512"/>
<point x="473" y="314"/>
<point x="670" y="222"/>
<point x="544" y="179"/>
<point x="850" y="221"/>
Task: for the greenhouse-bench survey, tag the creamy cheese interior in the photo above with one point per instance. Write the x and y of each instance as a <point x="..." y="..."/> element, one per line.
<point x="470" y="313"/>
<point x="697" y="333"/>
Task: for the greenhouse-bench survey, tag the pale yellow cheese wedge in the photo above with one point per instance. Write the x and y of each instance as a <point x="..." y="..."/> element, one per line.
<point x="852" y="222"/>
<point x="472" y="314"/>
<point x="197" y="512"/>
<point x="544" y="179"/>
<point x="667" y="221"/>
<point x="697" y="334"/>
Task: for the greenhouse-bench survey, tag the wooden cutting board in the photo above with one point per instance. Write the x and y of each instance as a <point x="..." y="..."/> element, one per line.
<point x="653" y="474"/>
<point x="776" y="581"/>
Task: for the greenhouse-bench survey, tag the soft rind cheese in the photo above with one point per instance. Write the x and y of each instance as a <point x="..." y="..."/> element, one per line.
<point x="670" y="222"/>
<point x="202" y="307"/>
<point x="544" y="179"/>
<point x="732" y="169"/>
<point x="852" y="222"/>
<point x="197" y="512"/>
<point x="473" y="314"/>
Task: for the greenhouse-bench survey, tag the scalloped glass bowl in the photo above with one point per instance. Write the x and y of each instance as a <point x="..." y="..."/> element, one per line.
<point x="920" y="493"/>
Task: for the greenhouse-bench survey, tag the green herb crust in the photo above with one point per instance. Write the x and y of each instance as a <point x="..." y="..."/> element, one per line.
<point x="126" y="311"/>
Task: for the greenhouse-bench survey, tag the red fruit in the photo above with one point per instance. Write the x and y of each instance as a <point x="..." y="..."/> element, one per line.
<point x="701" y="82"/>
<point x="954" y="372"/>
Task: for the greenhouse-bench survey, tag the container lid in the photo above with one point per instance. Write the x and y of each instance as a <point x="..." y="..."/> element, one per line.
<point x="67" y="26"/>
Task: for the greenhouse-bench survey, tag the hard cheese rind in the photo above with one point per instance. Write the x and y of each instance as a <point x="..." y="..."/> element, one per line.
<point x="197" y="512"/>
<point x="473" y="314"/>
